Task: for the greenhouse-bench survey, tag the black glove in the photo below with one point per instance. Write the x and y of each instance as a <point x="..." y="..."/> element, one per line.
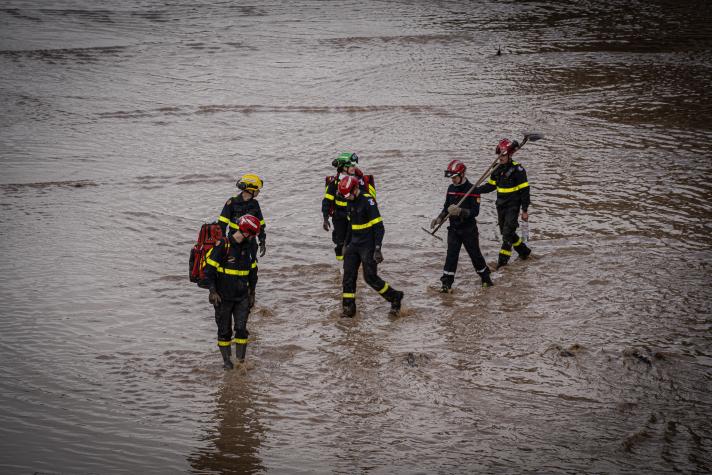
<point x="214" y="297"/>
<point x="326" y="224"/>
<point x="263" y="247"/>
<point x="378" y="255"/>
<point x="251" y="298"/>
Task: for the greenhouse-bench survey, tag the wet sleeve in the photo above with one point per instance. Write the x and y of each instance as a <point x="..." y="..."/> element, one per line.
<point x="328" y="201"/>
<point x="524" y="190"/>
<point x="489" y="186"/>
<point x="262" y="235"/>
<point x="378" y="229"/>
<point x="224" y="218"/>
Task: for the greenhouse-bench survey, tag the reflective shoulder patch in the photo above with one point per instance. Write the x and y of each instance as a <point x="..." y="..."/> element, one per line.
<point x="370" y="200"/>
<point x="520" y="168"/>
<point x="229" y="202"/>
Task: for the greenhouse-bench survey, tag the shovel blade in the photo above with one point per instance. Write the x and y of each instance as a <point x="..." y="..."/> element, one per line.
<point x="433" y="235"/>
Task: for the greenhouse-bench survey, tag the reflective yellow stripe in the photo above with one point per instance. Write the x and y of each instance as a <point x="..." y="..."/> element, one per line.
<point x="517" y="243"/>
<point x="240" y="341"/>
<point x="340" y="203"/>
<point x="349" y="296"/>
<point x="233" y="271"/>
<point x="211" y="262"/>
<point x="514" y="188"/>
<point x="367" y="225"/>
<point x="372" y="190"/>
<point x="491" y="181"/>
<point x="328" y="196"/>
<point x="505" y="252"/>
<point x="224" y="343"/>
<point x="233" y="225"/>
<point x="223" y="219"/>
<point x="262" y="222"/>
<point x="383" y="290"/>
<point x="339" y="258"/>
<point x="254" y="264"/>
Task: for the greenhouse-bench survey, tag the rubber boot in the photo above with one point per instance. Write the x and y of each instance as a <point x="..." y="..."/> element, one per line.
<point x="240" y="350"/>
<point x="396" y="302"/>
<point x="502" y="261"/>
<point x="486" y="280"/>
<point x="349" y="308"/>
<point x="446" y="284"/>
<point x="225" y="352"/>
<point x="523" y="251"/>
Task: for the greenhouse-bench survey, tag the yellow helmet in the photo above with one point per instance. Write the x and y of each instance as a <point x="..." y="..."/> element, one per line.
<point x="250" y="182"/>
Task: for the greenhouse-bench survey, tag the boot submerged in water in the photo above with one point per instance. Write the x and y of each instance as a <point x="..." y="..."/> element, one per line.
<point x="348" y="308"/>
<point x="240" y="351"/>
<point x="396" y="302"/>
<point x="486" y="279"/>
<point x="225" y="352"/>
<point x="523" y="251"/>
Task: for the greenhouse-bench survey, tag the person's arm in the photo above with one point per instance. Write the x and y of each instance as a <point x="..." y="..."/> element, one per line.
<point x="213" y="260"/>
<point x="224" y="218"/>
<point x="524" y="194"/>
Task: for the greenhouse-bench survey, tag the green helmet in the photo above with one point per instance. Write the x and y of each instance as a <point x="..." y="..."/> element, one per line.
<point x="346" y="159"/>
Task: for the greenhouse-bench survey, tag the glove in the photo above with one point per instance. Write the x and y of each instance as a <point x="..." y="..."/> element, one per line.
<point x="454" y="210"/>
<point x="214" y="297"/>
<point x="326" y="224"/>
<point x="378" y="255"/>
<point x="435" y="222"/>
<point x="251" y="298"/>
<point x="263" y="247"/>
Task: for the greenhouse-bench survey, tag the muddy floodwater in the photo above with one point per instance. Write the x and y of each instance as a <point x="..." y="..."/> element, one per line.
<point x="125" y="125"/>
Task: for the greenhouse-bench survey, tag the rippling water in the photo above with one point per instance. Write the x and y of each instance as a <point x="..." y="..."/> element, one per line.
<point x="125" y="127"/>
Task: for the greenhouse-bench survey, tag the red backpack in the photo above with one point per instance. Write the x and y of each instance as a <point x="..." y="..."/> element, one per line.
<point x="209" y="235"/>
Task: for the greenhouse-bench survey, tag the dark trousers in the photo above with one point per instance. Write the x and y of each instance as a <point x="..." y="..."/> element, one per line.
<point x="227" y="312"/>
<point x="456" y="238"/>
<point x="508" y="224"/>
<point x="353" y="258"/>
<point x="338" y="235"/>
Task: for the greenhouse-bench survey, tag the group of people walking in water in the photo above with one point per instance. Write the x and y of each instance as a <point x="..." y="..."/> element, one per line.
<point x="350" y="212"/>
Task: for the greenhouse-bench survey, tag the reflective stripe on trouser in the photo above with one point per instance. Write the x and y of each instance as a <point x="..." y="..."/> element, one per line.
<point x="353" y="259"/>
<point x="456" y="238"/>
<point x="226" y="313"/>
<point x="338" y="235"/>
<point x="507" y="222"/>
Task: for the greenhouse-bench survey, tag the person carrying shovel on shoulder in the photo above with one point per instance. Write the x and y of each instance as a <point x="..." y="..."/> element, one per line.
<point x="510" y="180"/>
<point x="462" y="206"/>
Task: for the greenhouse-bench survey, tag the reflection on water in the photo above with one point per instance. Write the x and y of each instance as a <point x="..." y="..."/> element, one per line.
<point x="233" y="442"/>
<point x="125" y="128"/>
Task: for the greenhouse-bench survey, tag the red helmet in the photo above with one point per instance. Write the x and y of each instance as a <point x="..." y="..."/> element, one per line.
<point x="249" y="225"/>
<point x="506" y="146"/>
<point x="455" y="168"/>
<point x="347" y="186"/>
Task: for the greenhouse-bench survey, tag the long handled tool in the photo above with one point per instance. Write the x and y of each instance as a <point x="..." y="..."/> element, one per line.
<point x="533" y="137"/>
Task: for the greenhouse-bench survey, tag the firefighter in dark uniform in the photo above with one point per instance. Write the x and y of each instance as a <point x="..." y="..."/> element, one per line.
<point x="510" y="180"/>
<point x="363" y="246"/>
<point x="332" y="206"/>
<point x="463" y="226"/>
<point x="230" y="272"/>
<point x="240" y="205"/>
